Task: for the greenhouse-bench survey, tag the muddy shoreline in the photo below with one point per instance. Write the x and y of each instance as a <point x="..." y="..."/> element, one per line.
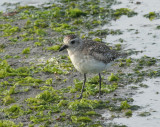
<point x="39" y="85"/>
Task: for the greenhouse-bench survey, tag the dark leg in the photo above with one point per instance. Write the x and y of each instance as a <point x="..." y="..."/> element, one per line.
<point x="82" y="87"/>
<point x="99" y="85"/>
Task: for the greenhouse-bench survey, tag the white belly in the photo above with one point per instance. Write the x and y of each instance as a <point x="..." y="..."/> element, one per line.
<point x="86" y="64"/>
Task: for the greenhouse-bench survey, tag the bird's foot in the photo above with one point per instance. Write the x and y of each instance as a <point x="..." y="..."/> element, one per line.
<point x="80" y="97"/>
<point x="99" y="96"/>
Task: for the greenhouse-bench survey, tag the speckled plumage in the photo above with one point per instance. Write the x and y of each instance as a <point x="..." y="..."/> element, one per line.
<point x="99" y="51"/>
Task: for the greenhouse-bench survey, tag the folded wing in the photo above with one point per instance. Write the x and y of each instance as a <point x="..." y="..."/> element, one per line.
<point x="100" y="51"/>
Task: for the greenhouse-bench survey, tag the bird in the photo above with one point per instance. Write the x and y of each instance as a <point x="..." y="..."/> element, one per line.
<point x="88" y="56"/>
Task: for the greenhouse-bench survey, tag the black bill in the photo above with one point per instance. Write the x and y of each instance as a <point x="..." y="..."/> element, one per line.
<point x="63" y="47"/>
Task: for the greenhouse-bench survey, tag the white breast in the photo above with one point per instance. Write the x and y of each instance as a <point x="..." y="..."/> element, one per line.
<point x="86" y="64"/>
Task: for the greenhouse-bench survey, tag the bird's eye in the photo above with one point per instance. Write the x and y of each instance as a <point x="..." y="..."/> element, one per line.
<point x="72" y="42"/>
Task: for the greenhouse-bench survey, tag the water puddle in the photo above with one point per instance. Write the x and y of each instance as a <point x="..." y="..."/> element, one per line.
<point x="139" y="33"/>
<point x="22" y="2"/>
<point x="149" y="101"/>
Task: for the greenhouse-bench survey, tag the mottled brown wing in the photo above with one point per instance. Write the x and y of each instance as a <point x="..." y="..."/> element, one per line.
<point x="100" y="51"/>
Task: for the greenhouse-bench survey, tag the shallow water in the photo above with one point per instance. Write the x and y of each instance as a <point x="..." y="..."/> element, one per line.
<point x="139" y="33"/>
<point x="22" y="2"/>
<point x="149" y="101"/>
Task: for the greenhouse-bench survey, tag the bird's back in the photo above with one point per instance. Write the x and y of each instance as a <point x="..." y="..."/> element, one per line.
<point x="99" y="51"/>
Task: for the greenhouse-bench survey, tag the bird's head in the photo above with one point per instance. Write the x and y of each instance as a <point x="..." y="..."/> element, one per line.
<point x="71" y="42"/>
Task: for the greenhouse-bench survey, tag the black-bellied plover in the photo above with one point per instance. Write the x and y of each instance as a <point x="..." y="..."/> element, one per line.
<point x="88" y="56"/>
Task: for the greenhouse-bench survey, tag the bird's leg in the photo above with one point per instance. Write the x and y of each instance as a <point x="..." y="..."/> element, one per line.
<point x="99" y="85"/>
<point x="82" y="87"/>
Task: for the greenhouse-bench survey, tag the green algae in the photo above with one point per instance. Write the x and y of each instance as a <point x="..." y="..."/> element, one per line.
<point x="91" y="113"/>
<point x="8" y="100"/>
<point x="10" y="91"/>
<point x="145" y="61"/>
<point x="39" y="23"/>
<point x="2" y="47"/>
<point x="124" y="105"/>
<point x="76" y="119"/>
<point x="59" y="65"/>
<point x="47" y="96"/>
<point x="75" y="12"/>
<point x="97" y="39"/>
<point x="128" y="113"/>
<point x="125" y="62"/>
<point x="54" y="47"/>
<point x="26" y="51"/>
<point x="5" y="69"/>
<point x="49" y="81"/>
<point x="118" y="46"/>
<point x="112" y="77"/>
<point x="43" y="98"/>
<point x="13" y="111"/>
<point x="85" y="104"/>
<point x="144" y="114"/>
<point x="8" y="29"/>
<point x="124" y="11"/>
<point x="11" y="31"/>
<point x="158" y="27"/>
<point x="37" y="43"/>
<point x="63" y="103"/>
<point x="152" y="15"/>
<point x="8" y="123"/>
